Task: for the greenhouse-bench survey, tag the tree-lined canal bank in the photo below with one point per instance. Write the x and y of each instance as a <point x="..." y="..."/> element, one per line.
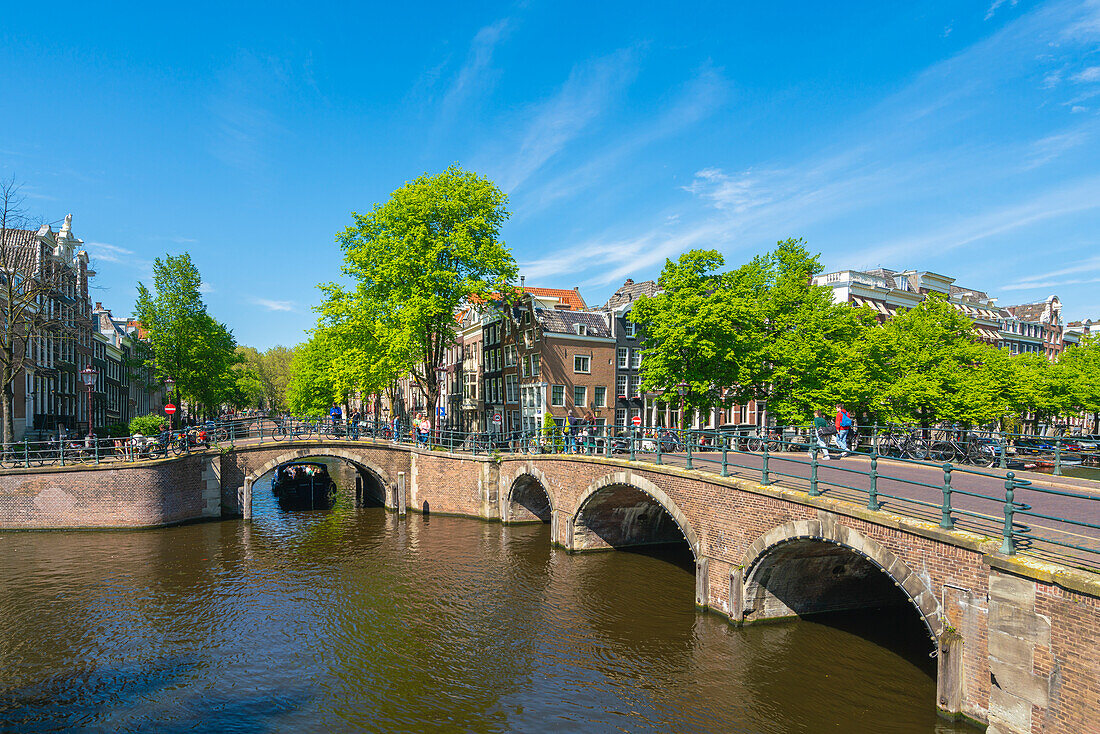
<point x="356" y="619"/>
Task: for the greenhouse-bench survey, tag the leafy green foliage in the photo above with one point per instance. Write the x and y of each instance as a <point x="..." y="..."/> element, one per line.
<point x="148" y="425"/>
<point x="432" y="247"/>
<point x="185" y="343"/>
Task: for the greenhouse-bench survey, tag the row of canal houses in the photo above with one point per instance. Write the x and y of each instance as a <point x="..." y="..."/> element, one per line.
<point x="550" y="353"/>
<point x="49" y="394"/>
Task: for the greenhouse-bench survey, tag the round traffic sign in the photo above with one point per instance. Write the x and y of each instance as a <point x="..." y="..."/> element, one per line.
<point x="637" y="420"/>
<point x="169" y="409"/>
<point x="497" y="419"/>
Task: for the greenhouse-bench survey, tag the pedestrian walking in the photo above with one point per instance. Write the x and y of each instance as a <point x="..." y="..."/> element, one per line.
<point x="822" y="430"/>
<point x="355" y="418"/>
<point x="567" y="429"/>
<point x="843" y="425"/>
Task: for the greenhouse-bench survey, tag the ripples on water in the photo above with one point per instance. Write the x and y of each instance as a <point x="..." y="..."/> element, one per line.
<point x="354" y="619"/>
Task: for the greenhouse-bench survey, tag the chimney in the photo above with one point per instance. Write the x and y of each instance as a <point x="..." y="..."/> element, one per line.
<point x="522" y="278"/>
<point x="98" y="306"/>
<point x="629" y="281"/>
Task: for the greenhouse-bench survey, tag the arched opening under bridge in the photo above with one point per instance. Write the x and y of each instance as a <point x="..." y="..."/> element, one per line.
<point x="528" y="501"/>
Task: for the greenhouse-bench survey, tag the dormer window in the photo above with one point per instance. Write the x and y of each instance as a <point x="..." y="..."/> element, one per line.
<point x="580" y="329"/>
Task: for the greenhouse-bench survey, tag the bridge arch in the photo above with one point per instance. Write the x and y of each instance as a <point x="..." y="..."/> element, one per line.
<point x="622" y="509"/>
<point x="810" y="566"/>
<point x="528" y="497"/>
<point x="383" y="493"/>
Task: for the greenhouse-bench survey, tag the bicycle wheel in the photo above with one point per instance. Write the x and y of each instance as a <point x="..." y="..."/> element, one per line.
<point x="755" y="445"/>
<point x="178" y="446"/>
<point x="981" y="455"/>
<point x="941" y="451"/>
<point x="279" y="433"/>
<point x="221" y="435"/>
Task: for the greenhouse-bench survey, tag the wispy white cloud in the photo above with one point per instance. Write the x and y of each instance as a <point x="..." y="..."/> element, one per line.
<point x="550" y="126"/>
<point x="706" y="92"/>
<point x="1062" y="201"/>
<point x="1058" y="277"/>
<point x="1086" y="76"/>
<point x="271" y="305"/>
<point x="205" y="287"/>
<point x="476" y="73"/>
<point x="996" y="4"/>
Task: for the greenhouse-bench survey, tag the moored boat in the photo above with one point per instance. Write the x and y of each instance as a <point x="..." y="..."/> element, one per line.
<point x="303" y="485"/>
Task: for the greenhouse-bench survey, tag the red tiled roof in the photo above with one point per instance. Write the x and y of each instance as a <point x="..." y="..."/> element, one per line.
<point x="571" y="298"/>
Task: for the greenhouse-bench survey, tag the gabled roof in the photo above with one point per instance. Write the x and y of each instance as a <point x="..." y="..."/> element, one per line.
<point x="630" y="291"/>
<point x="571" y="298"/>
<point x="564" y="322"/>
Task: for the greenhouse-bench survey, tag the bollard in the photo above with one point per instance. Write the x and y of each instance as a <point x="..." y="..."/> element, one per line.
<point x="1008" y="547"/>
<point x="1004" y="452"/>
<point x="872" y="492"/>
<point x="764" y="480"/>
<point x="687" y="443"/>
<point x="1058" y="457"/>
<point x="814" y="491"/>
<point x="946" y="521"/>
<point x="725" y="456"/>
<point x="874" y="438"/>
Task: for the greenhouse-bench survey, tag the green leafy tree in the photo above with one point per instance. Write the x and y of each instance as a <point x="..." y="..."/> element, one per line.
<point x="699" y="330"/>
<point x="312" y="388"/>
<point x="1079" y="367"/>
<point x="147" y="425"/>
<point x="415" y="259"/>
<point x="936" y="368"/>
<point x="185" y="342"/>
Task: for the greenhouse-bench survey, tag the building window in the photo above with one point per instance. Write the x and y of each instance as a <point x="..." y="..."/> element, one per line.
<point x="534" y="365"/>
<point x="557" y="395"/>
<point x="599" y="396"/>
<point x="620" y="386"/>
<point x="624" y="357"/>
<point x="635" y="386"/>
<point x="631" y="328"/>
<point x="582" y="364"/>
<point x="510" y="355"/>
<point x="580" y="395"/>
<point x="620" y="417"/>
<point x="511" y="387"/>
<point x="636" y="359"/>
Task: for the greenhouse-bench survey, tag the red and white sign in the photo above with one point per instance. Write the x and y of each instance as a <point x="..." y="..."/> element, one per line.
<point x="497" y="419"/>
<point x="169" y="409"/>
<point x="637" y="420"/>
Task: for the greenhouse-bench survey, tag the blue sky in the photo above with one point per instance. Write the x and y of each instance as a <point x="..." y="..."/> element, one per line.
<point x="961" y="137"/>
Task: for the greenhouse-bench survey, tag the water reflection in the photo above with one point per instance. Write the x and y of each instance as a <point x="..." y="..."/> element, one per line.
<point x="355" y="619"/>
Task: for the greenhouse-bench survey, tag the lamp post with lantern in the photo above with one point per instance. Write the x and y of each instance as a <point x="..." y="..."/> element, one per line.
<point x="88" y="375"/>
<point x="169" y="383"/>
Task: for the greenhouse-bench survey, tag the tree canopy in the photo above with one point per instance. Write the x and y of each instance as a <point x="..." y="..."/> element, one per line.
<point x="185" y="342"/>
<point x="414" y="261"/>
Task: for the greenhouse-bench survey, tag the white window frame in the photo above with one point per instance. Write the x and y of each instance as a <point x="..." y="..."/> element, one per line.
<point x="622" y="386"/>
<point x="623" y="355"/>
<point x="599" y="396"/>
<point x="636" y="359"/>
<point x="582" y="390"/>
<point x="587" y="364"/>
<point x="554" y="389"/>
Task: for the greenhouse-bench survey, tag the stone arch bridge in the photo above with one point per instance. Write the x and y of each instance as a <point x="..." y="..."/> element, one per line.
<point x="1017" y="641"/>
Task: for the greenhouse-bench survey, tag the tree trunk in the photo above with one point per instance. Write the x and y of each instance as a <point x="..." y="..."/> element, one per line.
<point x="7" y="400"/>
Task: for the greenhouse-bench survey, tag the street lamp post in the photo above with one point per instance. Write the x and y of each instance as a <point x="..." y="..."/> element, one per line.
<point x="169" y="383"/>
<point x="89" y="375"/>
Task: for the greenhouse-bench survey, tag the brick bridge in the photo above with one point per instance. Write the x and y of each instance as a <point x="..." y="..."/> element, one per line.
<point x="1017" y="639"/>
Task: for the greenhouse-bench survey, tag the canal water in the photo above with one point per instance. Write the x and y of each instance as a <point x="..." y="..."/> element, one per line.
<point x="355" y="620"/>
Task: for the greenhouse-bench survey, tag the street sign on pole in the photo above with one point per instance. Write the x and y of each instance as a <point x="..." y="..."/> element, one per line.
<point x="497" y="419"/>
<point x="169" y="409"/>
<point x="637" y="420"/>
<point x="442" y="411"/>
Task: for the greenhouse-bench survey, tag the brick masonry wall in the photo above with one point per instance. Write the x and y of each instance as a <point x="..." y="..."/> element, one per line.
<point x="109" y="496"/>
